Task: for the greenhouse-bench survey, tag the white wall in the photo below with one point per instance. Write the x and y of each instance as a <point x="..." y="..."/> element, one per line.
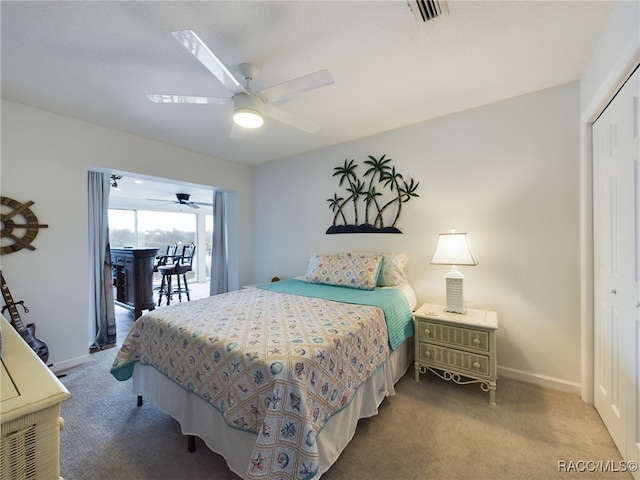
<point x="506" y="173"/>
<point x="616" y="51"/>
<point x="45" y="158"/>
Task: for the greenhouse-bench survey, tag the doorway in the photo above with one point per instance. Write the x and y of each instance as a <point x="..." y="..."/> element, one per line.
<point x="146" y="212"/>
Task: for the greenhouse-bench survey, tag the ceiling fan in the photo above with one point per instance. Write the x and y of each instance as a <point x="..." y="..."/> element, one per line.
<point x="183" y="199"/>
<point x="249" y="106"/>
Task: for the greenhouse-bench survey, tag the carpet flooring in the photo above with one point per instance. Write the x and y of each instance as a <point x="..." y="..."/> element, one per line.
<point x="430" y="429"/>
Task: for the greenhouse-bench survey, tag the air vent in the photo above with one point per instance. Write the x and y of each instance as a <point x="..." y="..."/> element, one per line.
<point x="427" y="10"/>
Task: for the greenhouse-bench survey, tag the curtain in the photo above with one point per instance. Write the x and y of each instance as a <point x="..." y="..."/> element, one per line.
<point x="219" y="267"/>
<point x="101" y="305"/>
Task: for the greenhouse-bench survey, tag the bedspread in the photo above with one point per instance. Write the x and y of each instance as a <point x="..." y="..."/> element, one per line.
<point x="393" y="302"/>
<point x="275" y="364"/>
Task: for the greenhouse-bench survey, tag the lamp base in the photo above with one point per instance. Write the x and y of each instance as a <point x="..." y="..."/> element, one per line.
<point x="455" y="298"/>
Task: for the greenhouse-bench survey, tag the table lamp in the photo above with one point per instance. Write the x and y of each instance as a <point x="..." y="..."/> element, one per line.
<point x="454" y="249"/>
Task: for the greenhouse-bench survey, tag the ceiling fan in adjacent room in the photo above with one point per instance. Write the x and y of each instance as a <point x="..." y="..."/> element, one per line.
<point x="183" y="199"/>
<point x="248" y="106"/>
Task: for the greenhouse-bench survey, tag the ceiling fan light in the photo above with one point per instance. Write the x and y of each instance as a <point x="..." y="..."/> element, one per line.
<point x="248" y="110"/>
<point x="247" y="118"/>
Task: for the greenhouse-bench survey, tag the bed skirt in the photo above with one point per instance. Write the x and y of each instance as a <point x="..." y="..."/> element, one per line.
<point x="197" y="417"/>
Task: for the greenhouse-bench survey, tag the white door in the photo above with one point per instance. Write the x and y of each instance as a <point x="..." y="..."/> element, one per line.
<point x="616" y="151"/>
<point x="633" y="431"/>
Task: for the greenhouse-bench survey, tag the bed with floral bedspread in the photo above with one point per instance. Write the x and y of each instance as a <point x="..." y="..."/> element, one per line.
<point x="278" y="361"/>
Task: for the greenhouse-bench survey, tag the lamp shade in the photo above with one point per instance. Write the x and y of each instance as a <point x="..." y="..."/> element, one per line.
<point x="247" y="110"/>
<point x="453" y="249"/>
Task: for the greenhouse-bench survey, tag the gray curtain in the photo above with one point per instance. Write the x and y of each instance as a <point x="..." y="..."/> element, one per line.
<point x="102" y="309"/>
<point x="219" y="268"/>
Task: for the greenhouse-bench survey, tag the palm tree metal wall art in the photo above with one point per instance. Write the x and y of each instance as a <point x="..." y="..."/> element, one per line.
<point x="366" y="193"/>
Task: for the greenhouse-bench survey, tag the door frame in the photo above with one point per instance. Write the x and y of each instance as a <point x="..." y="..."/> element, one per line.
<point x="609" y="87"/>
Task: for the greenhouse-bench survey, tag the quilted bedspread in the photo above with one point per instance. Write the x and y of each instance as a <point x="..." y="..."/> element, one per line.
<point x="275" y="364"/>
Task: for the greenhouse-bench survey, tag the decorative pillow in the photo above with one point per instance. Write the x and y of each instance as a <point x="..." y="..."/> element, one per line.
<point x="344" y="270"/>
<point x="392" y="272"/>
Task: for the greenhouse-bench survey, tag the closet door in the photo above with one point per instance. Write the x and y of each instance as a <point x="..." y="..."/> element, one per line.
<point x="633" y="431"/>
<point x="616" y="150"/>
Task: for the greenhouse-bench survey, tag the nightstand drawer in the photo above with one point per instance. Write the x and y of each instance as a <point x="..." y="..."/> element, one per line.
<point x="447" y="358"/>
<point x="461" y="337"/>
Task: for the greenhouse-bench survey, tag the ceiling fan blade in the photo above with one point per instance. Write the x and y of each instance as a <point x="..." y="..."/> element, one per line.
<point x="302" y="84"/>
<point x="166" y="202"/>
<point x="291" y="120"/>
<point x="237" y="131"/>
<point x="191" y="204"/>
<point x="162" y="98"/>
<point x="198" y="49"/>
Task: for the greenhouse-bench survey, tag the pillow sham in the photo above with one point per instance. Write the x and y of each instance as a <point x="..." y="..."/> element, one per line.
<point x="392" y="272"/>
<point x="344" y="270"/>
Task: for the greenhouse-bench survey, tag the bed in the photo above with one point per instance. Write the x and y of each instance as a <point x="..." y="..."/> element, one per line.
<point x="275" y="377"/>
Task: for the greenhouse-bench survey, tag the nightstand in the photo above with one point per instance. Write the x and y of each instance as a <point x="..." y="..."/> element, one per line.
<point x="458" y="347"/>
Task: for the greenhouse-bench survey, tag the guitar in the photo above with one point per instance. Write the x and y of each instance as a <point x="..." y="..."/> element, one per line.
<point x="28" y="332"/>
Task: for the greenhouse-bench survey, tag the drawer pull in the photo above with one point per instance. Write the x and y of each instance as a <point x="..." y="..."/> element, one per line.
<point x="476" y="341"/>
<point x="427" y="331"/>
<point x="476" y="365"/>
<point x="427" y="354"/>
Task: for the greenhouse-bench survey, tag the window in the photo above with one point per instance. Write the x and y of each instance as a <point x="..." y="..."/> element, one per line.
<point x="159" y="229"/>
<point x="144" y="228"/>
<point x="122" y="228"/>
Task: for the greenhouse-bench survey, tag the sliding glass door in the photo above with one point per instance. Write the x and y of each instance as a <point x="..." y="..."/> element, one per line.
<point x="145" y="228"/>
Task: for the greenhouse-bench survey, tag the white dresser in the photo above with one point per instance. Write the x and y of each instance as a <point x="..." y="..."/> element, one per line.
<point x="29" y="411"/>
<point x="457" y="347"/>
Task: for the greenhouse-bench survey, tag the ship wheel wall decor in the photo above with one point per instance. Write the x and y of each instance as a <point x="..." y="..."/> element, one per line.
<point x="19" y="225"/>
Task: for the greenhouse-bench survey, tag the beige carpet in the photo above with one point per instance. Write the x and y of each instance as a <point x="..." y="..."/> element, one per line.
<point x="428" y="430"/>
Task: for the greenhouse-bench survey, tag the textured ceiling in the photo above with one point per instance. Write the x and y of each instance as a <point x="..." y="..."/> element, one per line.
<point x="96" y="61"/>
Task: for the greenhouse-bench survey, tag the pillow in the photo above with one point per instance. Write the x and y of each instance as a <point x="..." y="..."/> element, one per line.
<point x="392" y="272"/>
<point x="344" y="270"/>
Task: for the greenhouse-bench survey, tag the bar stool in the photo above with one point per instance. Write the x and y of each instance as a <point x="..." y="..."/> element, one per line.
<point x="162" y="258"/>
<point x="180" y="267"/>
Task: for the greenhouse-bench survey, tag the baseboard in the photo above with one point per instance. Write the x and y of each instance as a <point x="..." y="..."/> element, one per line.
<point x="541" y="380"/>
<point x="67" y="364"/>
